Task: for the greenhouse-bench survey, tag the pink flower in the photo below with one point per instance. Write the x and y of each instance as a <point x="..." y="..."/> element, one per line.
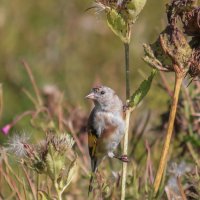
<point x="5" y="130"/>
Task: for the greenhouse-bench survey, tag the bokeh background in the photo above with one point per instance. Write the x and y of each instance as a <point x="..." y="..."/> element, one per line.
<point x="69" y="50"/>
<point x="72" y="49"/>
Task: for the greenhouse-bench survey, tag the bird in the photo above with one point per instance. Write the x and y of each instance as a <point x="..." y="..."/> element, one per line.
<point x="105" y="128"/>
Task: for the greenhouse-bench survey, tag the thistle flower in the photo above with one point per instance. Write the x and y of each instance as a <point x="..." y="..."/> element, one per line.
<point x="49" y="157"/>
<point x="6" y="129"/>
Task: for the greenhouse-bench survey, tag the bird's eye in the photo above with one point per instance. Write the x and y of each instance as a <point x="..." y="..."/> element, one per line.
<point x="102" y="92"/>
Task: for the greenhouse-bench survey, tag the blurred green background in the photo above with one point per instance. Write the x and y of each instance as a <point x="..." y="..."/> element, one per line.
<point x="72" y="49"/>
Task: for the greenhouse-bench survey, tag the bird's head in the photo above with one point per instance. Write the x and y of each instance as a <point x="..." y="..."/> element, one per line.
<point x="105" y="97"/>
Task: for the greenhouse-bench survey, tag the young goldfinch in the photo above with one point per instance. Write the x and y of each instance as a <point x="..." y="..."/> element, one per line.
<point x="106" y="126"/>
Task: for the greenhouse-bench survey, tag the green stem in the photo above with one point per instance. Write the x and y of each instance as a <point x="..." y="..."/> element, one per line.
<point x="59" y="192"/>
<point x="38" y="181"/>
<point x="165" y="150"/>
<point x="128" y="113"/>
<point x="126" y="48"/>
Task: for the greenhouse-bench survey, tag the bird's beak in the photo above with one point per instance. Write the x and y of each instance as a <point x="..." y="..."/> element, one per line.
<point x="90" y="96"/>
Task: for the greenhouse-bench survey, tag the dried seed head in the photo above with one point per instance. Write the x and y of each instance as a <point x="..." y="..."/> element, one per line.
<point x="61" y="143"/>
<point x="194" y="68"/>
<point x="176" y="46"/>
<point x="18" y="145"/>
<point x="177" y="8"/>
<point x="191" y="22"/>
<point x="170" y="49"/>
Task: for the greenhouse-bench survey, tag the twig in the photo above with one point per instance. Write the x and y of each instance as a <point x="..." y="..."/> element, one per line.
<point x="166" y="85"/>
<point x="60" y="113"/>
<point x="19" y="117"/>
<point x="27" y="93"/>
<point x="193" y="153"/>
<point x="1" y="100"/>
<point x="181" y="188"/>
<point x="141" y="133"/>
<point x="29" y="182"/>
<point x="32" y="79"/>
<point x="9" y="168"/>
<point x="69" y="125"/>
<point x="11" y="184"/>
<point x="149" y="171"/>
<point x="165" y="150"/>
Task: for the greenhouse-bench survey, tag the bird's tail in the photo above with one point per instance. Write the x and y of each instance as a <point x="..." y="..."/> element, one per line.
<point x="90" y="185"/>
<point x="94" y="168"/>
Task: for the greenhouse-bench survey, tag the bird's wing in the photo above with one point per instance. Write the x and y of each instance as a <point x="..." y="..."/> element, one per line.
<point x="109" y="125"/>
<point x="92" y="134"/>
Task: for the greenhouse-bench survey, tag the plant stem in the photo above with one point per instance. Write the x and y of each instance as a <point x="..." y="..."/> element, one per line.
<point x="33" y="82"/>
<point x="178" y="179"/>
<point x="125" y="151"/>
<point x="128" y="113"/>
<point x="126" y="48"/>
<point x="59" y="193"/>
<point x="165" y="150"/>
<point x="1" y="100"/>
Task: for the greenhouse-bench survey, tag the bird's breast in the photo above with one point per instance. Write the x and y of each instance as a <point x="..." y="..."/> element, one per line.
<point x="110" y="128"/>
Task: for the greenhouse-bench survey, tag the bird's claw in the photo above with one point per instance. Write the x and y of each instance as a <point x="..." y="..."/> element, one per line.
<point x="125" y="107"/>
<point x="123" y="158"/>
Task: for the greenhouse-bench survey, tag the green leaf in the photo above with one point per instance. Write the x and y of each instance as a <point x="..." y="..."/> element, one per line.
<point x="66" y="175"/>
<point x="134" y="8"/>
<point x="118" y="25"/>
<point x="193" y="139"/>
<point x="55" y="162"/>
<point x="142" y="91"/>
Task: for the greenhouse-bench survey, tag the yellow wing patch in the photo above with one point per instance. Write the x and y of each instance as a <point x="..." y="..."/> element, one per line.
<point x="92" y="142"/>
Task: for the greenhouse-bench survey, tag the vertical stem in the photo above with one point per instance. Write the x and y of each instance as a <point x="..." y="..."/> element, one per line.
<point x="1" y="100"/>
<point x="165" y="150"/>
<point x="126" y="48"/>
<point x="178" y="179"/>
<point x="59" y="193"/>
<point x="128" y="113"/>
<point x="125" y="151"/>
<point x="38" y="182"/>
